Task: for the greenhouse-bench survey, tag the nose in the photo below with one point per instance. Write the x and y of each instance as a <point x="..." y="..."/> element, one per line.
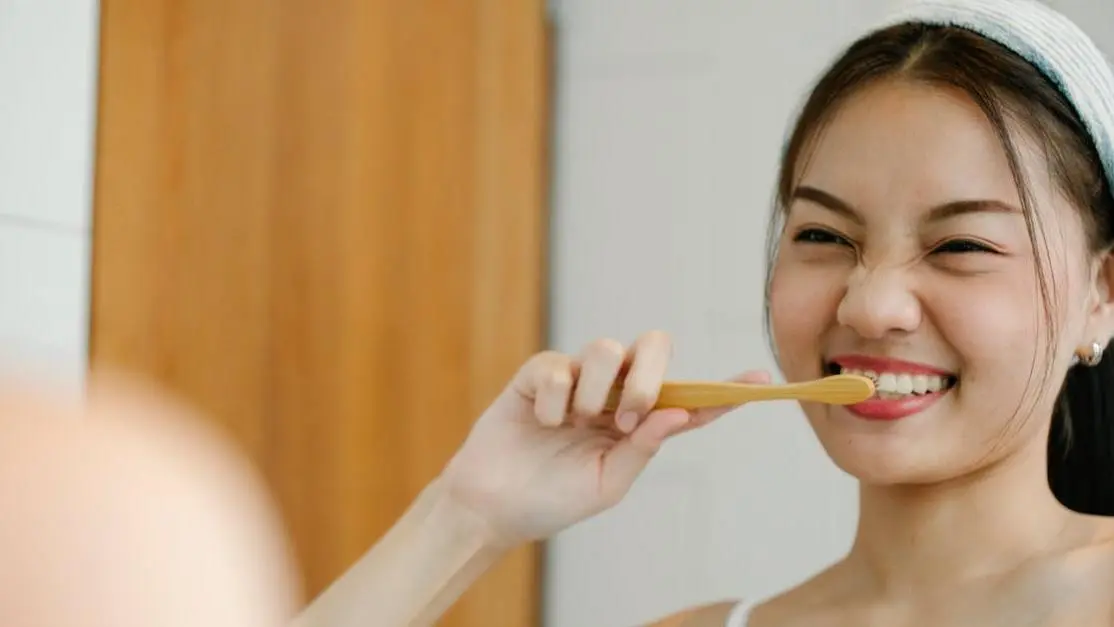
<point x="878" y="302"/>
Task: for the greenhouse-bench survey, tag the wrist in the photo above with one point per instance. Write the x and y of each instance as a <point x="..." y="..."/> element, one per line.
<point x="416" y="571"/>
<point x="454" y="519"/>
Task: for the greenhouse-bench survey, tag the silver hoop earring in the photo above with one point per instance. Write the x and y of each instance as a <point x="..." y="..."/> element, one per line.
<point x="1094" y="357"/>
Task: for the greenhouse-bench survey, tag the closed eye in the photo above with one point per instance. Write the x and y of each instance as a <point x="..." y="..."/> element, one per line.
<point x="963" y="246"/>
<point x="820" y="236"/>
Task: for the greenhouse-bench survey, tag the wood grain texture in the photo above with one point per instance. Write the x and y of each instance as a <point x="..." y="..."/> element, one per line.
<point x="324" y="223"/>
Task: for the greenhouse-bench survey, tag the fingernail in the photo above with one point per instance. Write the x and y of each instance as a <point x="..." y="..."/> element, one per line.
<point x="627" y="421"/>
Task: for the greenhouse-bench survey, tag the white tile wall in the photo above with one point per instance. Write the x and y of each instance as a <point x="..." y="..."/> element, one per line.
<point x="44" y="287"/>
<point x="48" y="69"/>
<point x="671" y="115"/>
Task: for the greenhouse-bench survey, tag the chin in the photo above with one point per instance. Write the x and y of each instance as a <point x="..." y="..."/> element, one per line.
<point x="882" y="472"/>
<point x="874" y="467"/>
<point x="881" y="456"/>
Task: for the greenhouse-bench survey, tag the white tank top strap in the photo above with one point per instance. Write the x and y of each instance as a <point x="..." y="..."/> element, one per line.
<point x="740" y="615"/>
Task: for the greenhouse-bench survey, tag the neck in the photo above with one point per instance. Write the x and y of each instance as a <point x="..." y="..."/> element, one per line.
<point x="924" y="536"/>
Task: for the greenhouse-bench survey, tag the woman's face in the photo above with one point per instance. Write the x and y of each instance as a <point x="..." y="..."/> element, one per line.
<point x="906" y="255"/>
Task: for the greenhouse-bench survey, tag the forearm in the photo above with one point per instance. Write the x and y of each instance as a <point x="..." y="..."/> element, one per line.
<point x="413" y="575"/>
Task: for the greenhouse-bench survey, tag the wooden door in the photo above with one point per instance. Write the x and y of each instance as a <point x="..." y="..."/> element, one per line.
<point x="323" y="222"/>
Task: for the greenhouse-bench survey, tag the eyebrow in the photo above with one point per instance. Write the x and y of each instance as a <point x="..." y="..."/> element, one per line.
<point x="936" y="214"/>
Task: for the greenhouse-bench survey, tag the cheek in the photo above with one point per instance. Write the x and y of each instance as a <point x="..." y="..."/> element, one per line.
<point x="987" y="322"/>
<point x="803" y="305"/>
<point x="997" y="328"/>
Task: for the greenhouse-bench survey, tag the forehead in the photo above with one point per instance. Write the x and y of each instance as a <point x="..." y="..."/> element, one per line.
<point x="914" y="144"/>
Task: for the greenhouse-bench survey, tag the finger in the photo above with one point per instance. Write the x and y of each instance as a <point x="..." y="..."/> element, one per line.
<point x="547" y="380"/>
<point x="702" y="417"/>
<point x="600" y="365"/>
<point x="627" y="459"/>
<point x="555" y="386"/>
<point x="649" y="360"/>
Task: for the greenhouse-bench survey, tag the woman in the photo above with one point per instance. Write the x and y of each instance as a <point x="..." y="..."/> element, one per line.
<point x="944" y="223"/>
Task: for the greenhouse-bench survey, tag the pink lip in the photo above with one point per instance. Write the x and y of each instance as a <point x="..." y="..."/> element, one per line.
<point x="894" y="409"/>
<point x="886" y="364"/>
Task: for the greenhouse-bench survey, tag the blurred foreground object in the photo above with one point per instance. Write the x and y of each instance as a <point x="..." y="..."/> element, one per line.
<point x="125" y="509"/>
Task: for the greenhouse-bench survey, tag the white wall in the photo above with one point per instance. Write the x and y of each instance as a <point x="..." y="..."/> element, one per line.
<point x="671" y="114"/>
<point x="48" y="67"/>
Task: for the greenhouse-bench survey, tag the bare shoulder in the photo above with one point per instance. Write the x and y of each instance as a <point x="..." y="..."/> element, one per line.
<point x="712" y="615"/>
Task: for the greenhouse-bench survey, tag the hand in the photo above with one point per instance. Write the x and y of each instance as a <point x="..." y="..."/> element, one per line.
<point x="546" y="455"/>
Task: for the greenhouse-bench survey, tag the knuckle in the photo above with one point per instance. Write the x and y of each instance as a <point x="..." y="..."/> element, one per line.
<point x="533" y="365"/>
<point x="606" y="348"/>
<point x="546" y="362"/>
<point x="658" y="337"/>
<point x="546" y="359"/>
<point x="557" y="379"/>
<point x="543" y="371"/>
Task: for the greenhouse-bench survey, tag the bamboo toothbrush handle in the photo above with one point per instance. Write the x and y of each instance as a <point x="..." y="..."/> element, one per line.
<point x="834" y="390"/>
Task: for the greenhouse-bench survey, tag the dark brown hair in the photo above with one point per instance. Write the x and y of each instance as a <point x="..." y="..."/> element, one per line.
<point x="1009" y="91"/>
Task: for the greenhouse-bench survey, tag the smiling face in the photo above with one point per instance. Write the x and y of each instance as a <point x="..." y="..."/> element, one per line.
<point x="905" y="252"/>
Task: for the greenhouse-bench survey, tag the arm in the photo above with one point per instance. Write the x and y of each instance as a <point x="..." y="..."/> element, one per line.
<point x="415" y="572"/>
<point x="423" y="564"/>
<point x="527" y="469"/>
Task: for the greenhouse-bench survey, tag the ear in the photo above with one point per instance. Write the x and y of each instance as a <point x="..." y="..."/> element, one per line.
<point x="1100" y="323"/>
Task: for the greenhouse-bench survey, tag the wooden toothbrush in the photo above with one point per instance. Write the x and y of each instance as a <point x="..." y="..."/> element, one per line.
<point x="840" y="389"/>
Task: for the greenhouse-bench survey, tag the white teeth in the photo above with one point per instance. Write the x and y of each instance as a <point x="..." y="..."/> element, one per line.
<point x="900" y="383"/>
<point x="886" y="382"/>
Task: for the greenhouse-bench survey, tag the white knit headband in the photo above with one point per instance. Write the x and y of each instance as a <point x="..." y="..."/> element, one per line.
<point x="1049" y="41"/>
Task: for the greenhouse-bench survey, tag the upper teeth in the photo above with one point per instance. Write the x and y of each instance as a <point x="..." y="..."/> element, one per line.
<point x="900" y="382"/>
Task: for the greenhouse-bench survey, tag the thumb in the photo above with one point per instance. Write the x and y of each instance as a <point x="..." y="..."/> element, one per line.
<point x="622" y="464"/>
